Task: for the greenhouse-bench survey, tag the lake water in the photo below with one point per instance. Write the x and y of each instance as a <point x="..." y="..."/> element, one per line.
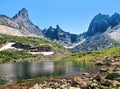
<point x="10" y="72"/>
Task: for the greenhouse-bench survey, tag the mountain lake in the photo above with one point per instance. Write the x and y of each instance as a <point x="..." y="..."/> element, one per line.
<point x="10" y="72"/>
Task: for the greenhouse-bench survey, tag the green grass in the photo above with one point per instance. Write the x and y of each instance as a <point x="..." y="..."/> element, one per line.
<point x="29" y="40"/>
<point x="99" y="54"/>
<point x="10" y="55"/>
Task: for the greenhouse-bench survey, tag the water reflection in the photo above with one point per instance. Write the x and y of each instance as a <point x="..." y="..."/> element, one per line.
<point x="10" y="72"/>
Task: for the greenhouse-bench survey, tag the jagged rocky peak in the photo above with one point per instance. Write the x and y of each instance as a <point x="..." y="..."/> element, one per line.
<point x="23" y="13"/>
<point x="49" y="30"/>
<point x="58" y="27"/>
<point x="57" y="34"/>
<point x="99" y="24"/>
<point x="116" y="15"/>
<point x="115" y="19"/>
<point x="53" y="29"/>
<point x="103" y="32"/>
<point x="50" y="27"/>
<point x="99" y="15"/>
<point x="50" y="33"/>
<point x="25" y="24"/>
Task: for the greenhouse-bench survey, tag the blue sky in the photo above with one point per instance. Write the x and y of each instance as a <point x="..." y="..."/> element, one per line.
<point x="72" y="15"/>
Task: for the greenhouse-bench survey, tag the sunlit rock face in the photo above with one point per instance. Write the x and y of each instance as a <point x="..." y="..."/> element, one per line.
<point x="103" y="32"/>
<point x="22" y="19"/>
<point x="100" y="23"/>
<point x="21" y="22"/>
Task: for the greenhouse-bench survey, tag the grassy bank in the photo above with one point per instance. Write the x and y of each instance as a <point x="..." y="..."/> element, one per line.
<point x="28" y="41"/>
<point x="11" y="55"/>
<point x="98" y="55"/>
<point x="36" y="43"/>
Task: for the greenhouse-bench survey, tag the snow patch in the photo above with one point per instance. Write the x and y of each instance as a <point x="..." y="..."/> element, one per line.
<point x="44" y="53"/>
<point x="74" y="45"/>
<point x="7" y="46"/>
<point x="115" y="35"/>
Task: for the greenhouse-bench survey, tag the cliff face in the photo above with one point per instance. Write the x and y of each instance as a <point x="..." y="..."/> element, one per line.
<point x="103" y="31"/>
<point x="22" y="23"/>
<point x="25" y="24"/>
<point x="101" y="23"/>
<point x="65" y="38"/>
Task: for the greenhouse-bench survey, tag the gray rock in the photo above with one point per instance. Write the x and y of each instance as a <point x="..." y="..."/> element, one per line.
<point x="93" y="85"/>
<point x="21" y="22"/>
<point x="24" y="23"/>
<point x="99" y="24"/>
<point x="106" y="82"/>
<point x="65" y="38"/>
<point x="95" y="42"/>
<point x="113" y="75"/>
<point x="97" y="77"/>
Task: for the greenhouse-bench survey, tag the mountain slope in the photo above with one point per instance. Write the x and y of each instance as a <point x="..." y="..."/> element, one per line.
<point x="10" y="31"/>
<point x="22" y="48"/>
<point x="65" y="38"/>
<point x="100" y="23"/>
<point x="95" y="42"/>
<point x="103" y="32"/>
<point x="25" y="24"/>
<point x="114" y="33"/>
<point x="22" y="23"/>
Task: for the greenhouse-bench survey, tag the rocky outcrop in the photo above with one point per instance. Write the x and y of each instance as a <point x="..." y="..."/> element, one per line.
<point x="94" y="43"/>
<point x="103" y="32"/>
<point x="22" y="23"/>
<point x="100" y="23"/>
<point x="107" y="80"/>
<point x="4" y="20"/>
<point x="29" y="48"/>
<point x="65" y="38"/>
<point x="6" y="30"/>
<point x="114" y="20"/>
<point x="114" y="33"/>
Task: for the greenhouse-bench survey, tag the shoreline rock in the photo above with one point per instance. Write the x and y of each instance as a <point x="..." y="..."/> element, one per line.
<point x="107" y="78"/>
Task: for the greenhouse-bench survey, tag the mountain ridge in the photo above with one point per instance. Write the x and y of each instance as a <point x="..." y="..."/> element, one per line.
<point x="65" y="38"/>
<point x="103" y="30"/>
<point x="101" y="33"/>
<point x="22" y="23"/>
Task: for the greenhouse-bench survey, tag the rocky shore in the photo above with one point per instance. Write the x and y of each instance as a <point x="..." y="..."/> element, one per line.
<point x="107" y="78"/>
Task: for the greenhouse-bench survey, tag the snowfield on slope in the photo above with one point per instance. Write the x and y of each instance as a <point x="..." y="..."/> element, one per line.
<point x="43" y="53"/>
<point x="115" y="34"/>
<point x="9" y="46"/>
<point x="74" y="45"/>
